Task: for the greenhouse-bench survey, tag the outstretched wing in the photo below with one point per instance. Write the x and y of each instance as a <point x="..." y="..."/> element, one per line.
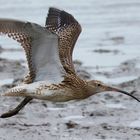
<point x="68" y="30"/>
<point x="41" y="48"/>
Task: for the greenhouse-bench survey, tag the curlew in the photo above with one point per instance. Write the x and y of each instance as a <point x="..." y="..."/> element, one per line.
<point x="49" y="51"/>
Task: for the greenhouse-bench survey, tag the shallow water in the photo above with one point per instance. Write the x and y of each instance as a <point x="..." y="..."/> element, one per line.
<point x="113" y="105"/>
<point x="116" y="80"/>
<point x="6" y="81"/>
<point x="76" y="117"/>
<point x="135" y="124"/>
<point x="14" y="55"/>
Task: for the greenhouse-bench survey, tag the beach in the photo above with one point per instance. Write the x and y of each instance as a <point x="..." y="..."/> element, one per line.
<point x="107" y="50"/>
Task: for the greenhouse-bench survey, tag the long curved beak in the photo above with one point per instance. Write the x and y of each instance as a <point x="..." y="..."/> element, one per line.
<point x="124" y="92"/>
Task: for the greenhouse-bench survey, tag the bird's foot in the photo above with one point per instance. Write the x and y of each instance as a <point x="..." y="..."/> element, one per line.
<point x="17" y="109"/>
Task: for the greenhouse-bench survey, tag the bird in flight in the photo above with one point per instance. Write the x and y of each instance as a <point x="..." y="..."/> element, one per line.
<point x="49" y="51"/>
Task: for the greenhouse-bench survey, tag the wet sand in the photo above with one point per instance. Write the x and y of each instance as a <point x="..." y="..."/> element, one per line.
<point x="109" y="116"/>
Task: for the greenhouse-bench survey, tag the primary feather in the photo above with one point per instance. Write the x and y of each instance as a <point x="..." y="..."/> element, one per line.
<point x="68" y="30"/>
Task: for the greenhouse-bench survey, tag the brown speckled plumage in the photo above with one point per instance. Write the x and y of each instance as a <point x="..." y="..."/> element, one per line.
<point x="49" y="56"/>
<point x="68" y="30"/>
<point x="14" y="29"/>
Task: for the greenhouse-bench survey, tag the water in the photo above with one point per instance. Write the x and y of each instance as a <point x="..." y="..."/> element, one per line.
<point x="135" y="124"/>
<point x="14" y="55"/>
<point x="6" y="81"/>
<point x="111" y="25"/>
<point x="117" y="106"/>
<point x="76" y="117"/>
<point x="116" y="80"/>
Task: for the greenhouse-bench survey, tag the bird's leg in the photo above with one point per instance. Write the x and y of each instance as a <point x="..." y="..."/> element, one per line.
<point x="16" y="91"/>
<point x="17" y="109"/>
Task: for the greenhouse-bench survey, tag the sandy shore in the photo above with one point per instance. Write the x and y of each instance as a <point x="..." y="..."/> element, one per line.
<point x="106" y="116"/>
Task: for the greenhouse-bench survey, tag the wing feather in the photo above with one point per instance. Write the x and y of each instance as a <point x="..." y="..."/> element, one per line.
<point x="15" y="30"/>
<point x="41" y="48"/>
<point x="68" y="30"/>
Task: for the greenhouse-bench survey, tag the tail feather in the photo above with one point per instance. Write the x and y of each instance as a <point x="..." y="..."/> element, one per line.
<point x="15" y="92"/>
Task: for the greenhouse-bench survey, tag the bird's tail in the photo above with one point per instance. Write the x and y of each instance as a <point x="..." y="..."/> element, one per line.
<point x="15" y="92"/>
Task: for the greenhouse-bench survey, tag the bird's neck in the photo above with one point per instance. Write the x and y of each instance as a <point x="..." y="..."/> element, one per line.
<point x="79" y="86"/>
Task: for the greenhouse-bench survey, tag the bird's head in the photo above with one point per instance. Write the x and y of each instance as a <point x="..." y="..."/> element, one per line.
<point x="95" y="86"/>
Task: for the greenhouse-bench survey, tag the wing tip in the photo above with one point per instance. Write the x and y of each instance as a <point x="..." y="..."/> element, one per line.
<point x="59" y="18"/>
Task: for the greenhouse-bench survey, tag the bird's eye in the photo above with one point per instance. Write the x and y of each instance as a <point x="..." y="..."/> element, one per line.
<point x="98" y="85"/>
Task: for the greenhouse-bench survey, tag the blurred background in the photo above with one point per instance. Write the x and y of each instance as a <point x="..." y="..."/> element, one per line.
<point x="108" y="49"/>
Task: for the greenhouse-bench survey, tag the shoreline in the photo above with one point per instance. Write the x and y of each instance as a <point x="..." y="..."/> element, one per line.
<point x="102" y="116"/>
